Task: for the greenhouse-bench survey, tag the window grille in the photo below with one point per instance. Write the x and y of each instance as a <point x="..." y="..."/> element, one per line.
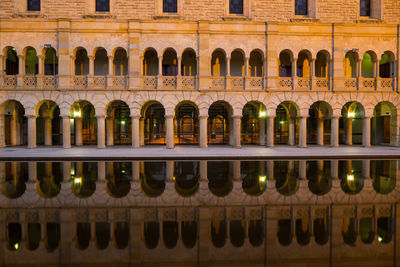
<point x="236" y="6"/>
<point x="365" y="8"/>
<point x="170" y="6"/>
<point x="103" y="5"/>
<point x="33" y="5"/>
<point x="300" y="7"/>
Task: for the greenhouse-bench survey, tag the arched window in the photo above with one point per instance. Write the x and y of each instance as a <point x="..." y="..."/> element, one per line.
<point x="236" y="6"/>
<point x="33" y="5"/>
<point x="170" y="6"/>
<point x="365" y="8"/>
<point x="102" y="5"/>
<point x="300" y="7"/>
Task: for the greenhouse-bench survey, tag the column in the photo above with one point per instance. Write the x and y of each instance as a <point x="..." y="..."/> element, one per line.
<point x="141" y="131"/>
<point x="178" y="62"/>
<point x="228" y="66"/>
<point x="203" y="131"/>
<point x="135" y="131"/>
<point x="335" y="132"/>
<point x="294" y="74"/>
<point x="101" y="171"/>
<point x="13" y="126"/>
<point x="21" y="70"/>
<point x="169" y="119"/>
<point x="261" y="131"/>
<point x="160" y="59"/>
<point x="2" y="133"/>
<point x="101" y="131"/>
<point x="236" y="131"/>
<point x="349" y="131"/>
<point x="110" y="72"/>
<point x="47" y="131"/>
<point x="302" y="169"/>
<point x="66" y="131"/>
<point x="367" y="132"/>
<point x="320" y="131"/>
<point x="246" y="67"/>
<point x="270" y="131"/>
<point x="303" y="132"/>
<point x="78" y="132"/>
<point x="110" y="131"/>
<point x="91" y="65"/>
<point x="292" y="133"/>
<point x="31" y="131"/>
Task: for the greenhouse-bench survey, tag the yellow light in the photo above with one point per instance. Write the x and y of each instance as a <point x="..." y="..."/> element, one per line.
<point x="77" y="180"/>
<point x="123" y="122"/>
<point x="380" y="239"/>
<point x="173" y="178"/>
<point x="282" y="122"/>
<point x="77" y="114"/>
<point x="72" y="172"/>
<point x="350" y="177"/>
<point x="351" y="115"/>
<point x="263" y="114"/>
<point x="262" y="179"/>
<point x="123" y="171"/>
<point x="16" y="246"/>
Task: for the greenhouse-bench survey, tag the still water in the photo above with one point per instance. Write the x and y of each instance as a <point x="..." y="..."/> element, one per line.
<point x="192" y="213"/>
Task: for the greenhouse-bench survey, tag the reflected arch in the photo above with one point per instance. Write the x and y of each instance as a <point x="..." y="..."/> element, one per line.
<point x="152" y="178"/>
<point x="187" y="177"/>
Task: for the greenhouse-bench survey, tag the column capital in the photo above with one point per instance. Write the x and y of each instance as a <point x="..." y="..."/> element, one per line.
<point x="100" y="116"/>
<point x="169" y="116"/>
<point x="335" y="117"/>
<point x="270" y="117"/>
<point x="203" y="116"/>
<point x="31" y="116"/>
<point x="65" y="116"/>
<point x="135" y="117"/>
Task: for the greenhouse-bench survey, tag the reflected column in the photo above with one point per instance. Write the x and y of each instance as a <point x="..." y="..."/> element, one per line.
<point x="367" y="131"/>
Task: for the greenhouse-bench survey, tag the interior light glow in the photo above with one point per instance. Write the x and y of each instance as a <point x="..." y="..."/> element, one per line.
<point x="16" y="246"/>
<point x="351" y="115"/>
<point x="262" y="179"/>
<point x="77" y="114"/>
<point x="281" y="122"/>
<point x="350" y="177"/>
<point x="77" y="181"/>
<point x="380" y="239"/>
<point x="123" y="122"/>
<point x="263" y="114"/>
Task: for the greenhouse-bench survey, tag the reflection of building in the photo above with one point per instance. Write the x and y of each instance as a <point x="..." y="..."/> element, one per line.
<point x="228" y="73"/>
<point x="248" y="212"/>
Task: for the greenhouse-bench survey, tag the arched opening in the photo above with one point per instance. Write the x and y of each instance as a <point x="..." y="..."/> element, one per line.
<point x="237" y="64"/>
<point x="218" y="233"/>
<point x="189" y="63"/>
<point x="121" y="234"/>
<point x="368" y="65"/>
<point x="256" y="232"/>
<point x="387" y="65"/>
<point x="186" y="124"/>
<point x="154" y="123"/>
<point x="321" y="230"/>
<point x="219" y="174"/>
<point x="351" y="177"/>
<point x="170" y="233"/>
<point x="150" y="63"/>
<point x="16" y="176"/>
<point x="253" y="123"/>
<point x="100" y="62"/>
<point x="219" y="125"/>
<point x="256" y="68"/>
<point x="218" y="63"/>
<point x="83" y="178"/>
<point x="351" y="123"/>
<point x="236" y="232"/>
<point x="152" y="178"/>
<point x="367" y="229"/>
<point x="49" y="178"/>
<point x="169" y="63"/>
<point x="12" y="61"/>
<point x="286" y="124"/>
<point x="285" y="64"/>
<point x="120" y="62"/>
<point x="102" y="230"/>
<point x="50" y="62"/>
<point x="254" y="177"/>
<point x="286" y="174"/>
<point x="14" y="236"/>
<point x="384" y="124"/>
<point x="304" y="64"/>
<point x="319" y="123"/>
<point x="31" y="62"/>
<point x="285" y="232"/>
<point x="351" y="65"/>
<point x="81" y="62"/>
<point x="385" y="229"/>
<point x="53" y="236"/>
<point x="189" y="233"/>
<point x="118" y="124"/>
<point x="84" y="124"/>
<point x="322" y="64"/>
<point x="319" y="177"/>
<point x="303" y="233"/>
<point x="49" y="124"/>
<point x="187" y="177"/>
<point x="83" y="235"/>
<point x="119" y="177"/>
<point x="15" y="123"/>
<point x="151" y="231"/>
<point x="383" y="173"/>
<point x="349" y="230"/>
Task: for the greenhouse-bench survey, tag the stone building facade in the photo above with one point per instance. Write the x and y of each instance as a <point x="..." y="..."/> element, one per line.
<point x="208" y="72"/>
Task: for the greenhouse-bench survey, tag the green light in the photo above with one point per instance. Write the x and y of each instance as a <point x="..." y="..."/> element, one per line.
<point x="16" y="246"/>
<point x="380" y="239"/>
<point x="123" y="171"/>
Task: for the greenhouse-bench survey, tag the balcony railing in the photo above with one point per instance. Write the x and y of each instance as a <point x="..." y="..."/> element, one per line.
<point x="367" y="84"/>
<point x="119" y="82"/>
<point x="320" y="84"/>
<point x="9" y="81"/>
<point x="285" y="83"/>
<point x="302" y="83"/>
<point x="167" y="82"/>
<point x="350" y="84"/>
<point x="236" y="83"/>
<point x="255" y="83"/>
<point x="385" y="84"/>
<point x="187" y="82"/>
<point x="80" y="81"/>
<point x="218" y="83"/>
<point x="29" y="81"/>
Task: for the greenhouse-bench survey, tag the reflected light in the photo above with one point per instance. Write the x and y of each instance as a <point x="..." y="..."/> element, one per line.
<point x="16" y="246"/>
<point x="380" y="239"/>
<point x="77" y="180"/>
<point x="173" y="178"/>
<point x="262" y="179"/>
<point x="263" y="114"/>
<point x="351" y="115"/>
<point x="350" y="177"/>
<point x="123" y="171"/>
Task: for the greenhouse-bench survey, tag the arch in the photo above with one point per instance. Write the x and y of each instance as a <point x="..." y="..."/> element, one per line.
<point x="285" y="63"/>
<point x="16" y="176"/>
<point x="256" y="63"/>
<point x="31" y="61"/>
<point x="256" y="232"/>
<point x="351" y="62"/>
<point x="321" y="230"/>
<point x="169" y="62"/>
<point x="322" y="66"/>
<point x="83" y="235"/>
<point x="81" y="61"/>
<point x="118" y="123"/>
<point x="319" y="177"/>
<point x="349" y="230"/>
<point x="253" y="174"/>
<point x="285" y="232"/>
<point x="189" y="63"/>
<point x="219" y="123"/>
<point x="151" y="232"/>
<point x="218" y="63"/>
<point x="100" y="62"/>
<point x="14" y="236"/>
<point x="84" y="123"/>
<point x="53" y="236"/>
<point x="219" y="174"/>
<point x="237" y="232"/>
<point x="189" y="233"/>
<point x="152" y="178"/>
<point x="304" y="64"/>
<point x="186" y="123"/>
<point x="385" y="229"/>
<point x="119" y="177"/>
<point x="120" y="62"/>
<point x="48" y="123"/>
<point x="368" y="64"/>
<point x="319" y="123"/>
<point x="84" y="177"/>
<point x="387" y="65"/>
<point x="102" y="232"/>
<point x="187" y="177"/>
<point x="302" y="230"/>
<point x="50" y="61"/>
<point x="121" y="234"/>
<point x="218" y="233"/>
<point x="286" y="123"/>
<point x="49" y="178"/>
<point x="237" y="63"/>
<point x="170" y="233"/>
<point x="153" y="114"/>
<point x="366" y="228"/>
<point x="384" y="124"/>
<point x="253" y="123"/>
<point x="150" y="62"/>
<point x="15" y="123"/>
<point x="351" y="123"/>
<point x="286" y="174"/>
<point x="351" y="177"/>
<point x="11" y="60"/>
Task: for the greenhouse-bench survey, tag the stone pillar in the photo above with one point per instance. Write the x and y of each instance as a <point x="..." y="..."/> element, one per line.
<point x="366" y="169"/>
<point x="32" y="173"/>
<point x="2" y="129"/>
<point x="294" y="74"/>
<point x="261" y="131"/>
<point x="110" y="71"/>
<point x="170" y="131"/>
<point x="141" y="131"/>
<point x="66" y="131"/>
<point x="66" y="171"/>
<point x="292" y="132"/>
<point x="349" y="131"/>
<point x="303" y="132"/>
<point x="203" y="170"/>
<point x="236" y="131"/>
<point x="31" y="131"/>
<point x="366" y="132"/>
<point x="135" y="131"/>
<point x="13" y="126"/>
<point x="203" y="131"/>
<point x="179" y="65"/>
<point x="91" y="65"/>
<point x="236" y="170"/>
<point x="334" y="169"/>
<point x="21" y="70"/>
<point x="110" y="131"/>
<point x="47" y="131"/>
<point x="101" y="142"/>
<point x="334" y="131"/>
<point x="302" y="169"/>
<point x="78" y="132"/>
<point x="270" y="131"/>
<point x="228" y="66"/>
<point x="101" y="171"/>
<point x="160" y="60"/>
<point x="320" y="131"/>
<point x="170" y="170"/>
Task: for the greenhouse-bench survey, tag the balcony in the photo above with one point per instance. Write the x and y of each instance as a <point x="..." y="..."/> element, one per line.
<point x="350" y="84"/>
<point x="235" y="83"/>
<point x="385" y="84"/>
<point x="218" y="83"/>
<point x="320" y="84"/>
<point x="187" y="83"/>
<point x="367" y="84"/>
<point x="285" y="83"/>
<point x="302" y="84"/>
<point x="255" y="83"/>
